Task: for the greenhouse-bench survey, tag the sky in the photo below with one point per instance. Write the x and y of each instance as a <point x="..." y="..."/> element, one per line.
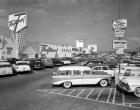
<point x="64" y="21"/>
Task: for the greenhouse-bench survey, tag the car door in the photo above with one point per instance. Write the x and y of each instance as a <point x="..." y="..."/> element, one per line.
<point x="77" y="77"/>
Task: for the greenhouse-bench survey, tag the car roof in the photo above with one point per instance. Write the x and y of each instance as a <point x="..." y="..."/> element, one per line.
<point x="4" y="63"/>
<point x="21" y="61"/>
<point x="74" y="68"/>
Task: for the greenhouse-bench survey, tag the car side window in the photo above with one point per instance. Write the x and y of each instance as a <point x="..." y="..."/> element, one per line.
<point x="64" y="72"/>
<point x="97" y="68"/>
<point x="76" y="72"/>
<point x="105" y="68"/>
<point x="86" y="72"/>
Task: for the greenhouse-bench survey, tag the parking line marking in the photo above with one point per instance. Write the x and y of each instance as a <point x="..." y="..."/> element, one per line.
<point x="71" y="92"/>
<point x="61" y="92"/>
<point x="109" y="95"/>
<point x="89" y="94"/>
<point x="114" y="95"/>
<point x="99" y="94"/>
<point x="130" y="105"/>
<point x="123" y="98"/>
<point x="53" y="91"/>
<point x="80" y="92"/>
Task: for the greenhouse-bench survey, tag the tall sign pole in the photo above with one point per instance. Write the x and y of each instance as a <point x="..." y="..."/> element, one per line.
<point x="119" y="25"/>
<point x="17" y="23"/>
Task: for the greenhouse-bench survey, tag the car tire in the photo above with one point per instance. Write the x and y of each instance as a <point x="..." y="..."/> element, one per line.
<point x="67" y="84"/>
<point x="137" y="92"/>
<point x="103" y="83"/>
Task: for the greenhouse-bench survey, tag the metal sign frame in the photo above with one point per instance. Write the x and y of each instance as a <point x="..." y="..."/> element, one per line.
<point x="119" y="44"/>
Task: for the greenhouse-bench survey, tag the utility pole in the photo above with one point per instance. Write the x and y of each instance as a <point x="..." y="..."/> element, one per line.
<point x="119" y="45"/>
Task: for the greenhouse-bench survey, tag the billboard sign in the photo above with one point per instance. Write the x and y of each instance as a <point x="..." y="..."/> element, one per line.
<point x="120" y="51"/>
<point x="119" y="44"/>
<point x="120" y="24"/>
<point x="17" y="22"/>
<point x="119" y="33"/>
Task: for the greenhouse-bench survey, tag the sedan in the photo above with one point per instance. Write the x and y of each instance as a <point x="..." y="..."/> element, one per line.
<point x="21" y="66"/>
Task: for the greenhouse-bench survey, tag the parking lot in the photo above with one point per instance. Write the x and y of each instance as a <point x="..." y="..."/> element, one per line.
<point x="103" y="95"/>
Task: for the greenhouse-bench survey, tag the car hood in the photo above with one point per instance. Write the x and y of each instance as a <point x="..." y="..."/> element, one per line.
<point x="131" y="80"/>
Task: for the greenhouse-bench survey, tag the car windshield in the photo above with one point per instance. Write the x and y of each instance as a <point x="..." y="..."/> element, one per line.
<point x="5" y="65"/>
<point x="23" y="63"/>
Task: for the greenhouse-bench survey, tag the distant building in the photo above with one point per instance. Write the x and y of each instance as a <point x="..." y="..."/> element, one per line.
<point x="31" y="50"/>
<point x="36" y="49"/>
<point x="80" y="45"/>
<point x="52" y="51"/>
<point x="92" y="48"/>
<point x="9" y="49"/>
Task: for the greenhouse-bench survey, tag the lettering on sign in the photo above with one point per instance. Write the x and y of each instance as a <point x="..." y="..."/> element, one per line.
<point x="17" y="22"/>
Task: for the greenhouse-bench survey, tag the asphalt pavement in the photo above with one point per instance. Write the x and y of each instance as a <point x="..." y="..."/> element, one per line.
<point x="33" y="91"/>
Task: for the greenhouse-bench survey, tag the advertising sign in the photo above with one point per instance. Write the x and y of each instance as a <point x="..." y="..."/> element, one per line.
<point x="17" y="22"/>
<point x="119" y="33"/>
<point x="120" y="24"/>
<point x="119" y="44"/>
<point x="120" y="51"/>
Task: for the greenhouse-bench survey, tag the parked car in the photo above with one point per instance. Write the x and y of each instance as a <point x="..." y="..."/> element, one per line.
<point x="79" y="75"/>
<point x="5" y="68"/>
<point x="21" y="66"/>
<point x="48" y="62"/>
<point x="72" y="60"/>
<point x="123" y="69"/>
<point x="130" y="82"/>
<point x="57" y="62"/>
<point x="104" y="68"/>
<point x="66" y="61"/>
<point x="36" y="63"/>
<point x="91" y="63"/>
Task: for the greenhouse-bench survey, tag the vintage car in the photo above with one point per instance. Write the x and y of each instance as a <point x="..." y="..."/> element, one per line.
<point x="47" y="62"/>
<point x="130" y="82"/>
<point x="5" y="68"/>
<point x="79" y="75"/>
<point x="21" y="66"/>
<point x="57" y="62"/>
<point x="36" y="63"/>
<point x="104" y="68"/>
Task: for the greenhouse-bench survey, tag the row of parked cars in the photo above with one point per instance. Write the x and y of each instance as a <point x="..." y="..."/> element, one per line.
<point x="11" y="66"/>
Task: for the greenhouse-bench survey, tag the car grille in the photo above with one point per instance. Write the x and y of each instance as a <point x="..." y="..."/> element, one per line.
<point x="126" y="86"/>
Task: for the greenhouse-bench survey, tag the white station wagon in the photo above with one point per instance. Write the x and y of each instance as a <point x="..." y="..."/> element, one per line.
<point x="79" y="75"/>
<point x="22" y="66"/>
<point x="130" y="82"/>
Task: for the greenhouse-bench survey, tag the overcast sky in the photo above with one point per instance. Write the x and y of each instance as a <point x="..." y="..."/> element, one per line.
<point x="64" y="21"/>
